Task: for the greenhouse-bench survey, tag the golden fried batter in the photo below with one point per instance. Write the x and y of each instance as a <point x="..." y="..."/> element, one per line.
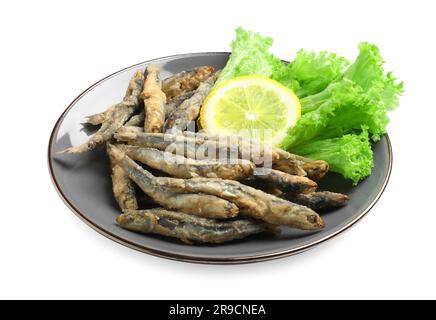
<point x="154" y="101"/>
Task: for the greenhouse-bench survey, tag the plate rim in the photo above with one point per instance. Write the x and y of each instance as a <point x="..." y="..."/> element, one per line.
<point x="183" y="257"/>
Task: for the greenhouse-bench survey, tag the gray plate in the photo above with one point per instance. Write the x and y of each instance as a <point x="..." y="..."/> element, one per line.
<point x="83" y="181"/>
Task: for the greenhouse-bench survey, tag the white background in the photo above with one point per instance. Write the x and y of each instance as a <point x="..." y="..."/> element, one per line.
<point x="52" y="50"/>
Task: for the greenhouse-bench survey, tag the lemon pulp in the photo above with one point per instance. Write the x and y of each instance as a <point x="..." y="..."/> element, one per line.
<point x="254" y="107"/>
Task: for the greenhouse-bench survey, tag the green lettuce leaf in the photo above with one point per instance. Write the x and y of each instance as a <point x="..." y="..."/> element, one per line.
<point x="343" y="105"/>
<point x="282" y="75"/>
<point x="346" y="110"/>
<point x="250" y="56"/>
<point x="367" y="72"/>
<point x="311" y="72"/>
<point x="362" y="98"/>
<point x="344" y="91"/>
<point x="349" y="155"/>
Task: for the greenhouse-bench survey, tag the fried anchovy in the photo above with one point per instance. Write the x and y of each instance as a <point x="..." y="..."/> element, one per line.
<point x="99" y="118"/>
<point x="174" y="103"/>
<point x="285" y="181"/>
<point x="117" y="116"/>
<point x="319" y="200"/>
<point x="197" y="148"/>
<point x="281" y="160"/>
<point x="251" y="202"/>
<point x="154" y="101"/>
<point x="181" y="167"/>
<point x="137" y="120"/>
<point x="189" y="228"/>
<point x="188" y="111"/>
<point x="123" y="188"/>
<point x="174" y="197"/>
<point x="185" y="81"/>
<point x="254" y="203"/>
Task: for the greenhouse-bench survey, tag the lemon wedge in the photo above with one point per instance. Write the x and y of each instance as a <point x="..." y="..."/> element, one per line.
<point x="253" y="107"/>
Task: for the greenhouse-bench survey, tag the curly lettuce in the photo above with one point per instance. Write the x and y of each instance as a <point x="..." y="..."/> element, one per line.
<point x="311" y="72"/>
<point x="349" y="155"/>
<point x="367" y="72"/>
<point x="344" y="106"/>
<point x="361" y="98"/>
<point x="307" y="74"/>
<point x="250" y="56"/>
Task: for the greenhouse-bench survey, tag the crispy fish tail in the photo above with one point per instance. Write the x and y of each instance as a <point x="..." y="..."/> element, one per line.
<point x="99" y="118"/>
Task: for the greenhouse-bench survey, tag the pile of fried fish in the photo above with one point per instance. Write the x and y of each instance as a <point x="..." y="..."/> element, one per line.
<point x="191" y="197"/>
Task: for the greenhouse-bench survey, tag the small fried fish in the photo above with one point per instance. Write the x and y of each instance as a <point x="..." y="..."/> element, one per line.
<point x="154" y="101"/>
<point x="181" y="167"/>
<point x="189" y="228"/>
<point x="172" y="196"/>
<point x="117" y="116"/>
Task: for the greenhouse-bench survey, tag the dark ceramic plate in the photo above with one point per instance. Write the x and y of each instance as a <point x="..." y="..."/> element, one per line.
<point x="83" y="181"/>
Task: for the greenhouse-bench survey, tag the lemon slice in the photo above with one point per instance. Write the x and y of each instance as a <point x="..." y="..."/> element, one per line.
<point x="253" y="107"/>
